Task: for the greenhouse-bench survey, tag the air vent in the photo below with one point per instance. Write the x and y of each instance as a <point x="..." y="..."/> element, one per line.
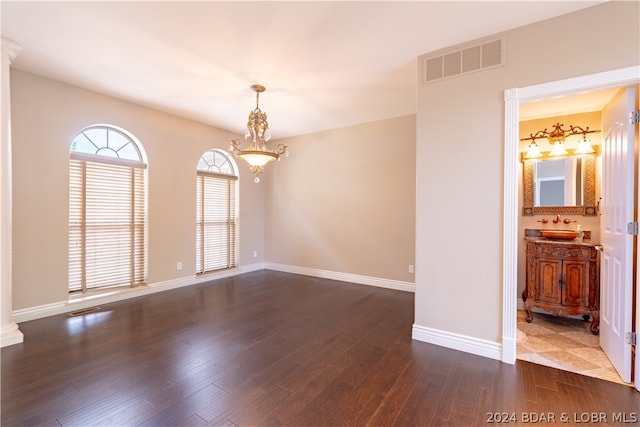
<point x="468" y="59"/>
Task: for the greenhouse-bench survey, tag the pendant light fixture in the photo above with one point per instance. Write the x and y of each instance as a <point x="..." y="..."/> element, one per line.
<point x="257" y="154"/>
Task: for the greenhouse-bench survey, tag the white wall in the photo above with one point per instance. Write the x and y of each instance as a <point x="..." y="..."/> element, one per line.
<point x="344" y="202"/>
<point x="46" y="115"/>
<point x="460" y="139"/>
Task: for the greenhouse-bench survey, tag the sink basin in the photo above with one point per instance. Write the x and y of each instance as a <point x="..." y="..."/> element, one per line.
<point x="559" y="234"/>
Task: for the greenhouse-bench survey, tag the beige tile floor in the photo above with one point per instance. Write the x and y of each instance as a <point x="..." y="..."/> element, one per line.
<point x="563" y="343"/>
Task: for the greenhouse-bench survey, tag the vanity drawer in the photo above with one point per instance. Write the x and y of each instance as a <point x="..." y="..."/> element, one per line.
<point x="543" y="248"/>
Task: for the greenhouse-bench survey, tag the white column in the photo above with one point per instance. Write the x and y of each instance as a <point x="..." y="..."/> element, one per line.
<point x="510" y="226"/>
<point x="10" y="334"/>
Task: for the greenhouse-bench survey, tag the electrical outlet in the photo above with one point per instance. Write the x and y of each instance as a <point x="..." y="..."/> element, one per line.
<point x="255" y="254"/>
<point x="410" y="268"/>
<point x="179" y="265"/>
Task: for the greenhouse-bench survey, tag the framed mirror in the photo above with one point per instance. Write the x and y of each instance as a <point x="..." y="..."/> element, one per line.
<point x="563" y="185"/>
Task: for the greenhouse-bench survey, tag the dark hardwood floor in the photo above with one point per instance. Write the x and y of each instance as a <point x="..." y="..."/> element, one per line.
<point x="269" y="349"/>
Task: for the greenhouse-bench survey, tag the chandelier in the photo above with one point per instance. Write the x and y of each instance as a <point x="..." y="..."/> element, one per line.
<point x="556" y="138"/>
<point x="257" y="154"/>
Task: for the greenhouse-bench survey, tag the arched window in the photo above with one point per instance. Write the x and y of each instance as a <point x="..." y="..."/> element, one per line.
<point x="216" y="212"/>
<point x="107" y="210"/>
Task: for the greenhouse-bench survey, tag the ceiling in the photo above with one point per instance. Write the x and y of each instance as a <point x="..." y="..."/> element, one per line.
<point x="325" y="64"/>
<point x="573" y="104"/>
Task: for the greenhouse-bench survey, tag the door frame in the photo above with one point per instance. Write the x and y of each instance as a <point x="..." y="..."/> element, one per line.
<point x="512" y="99"/>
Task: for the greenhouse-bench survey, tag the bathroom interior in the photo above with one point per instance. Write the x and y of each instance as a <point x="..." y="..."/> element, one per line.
<point x="561" y="192"/>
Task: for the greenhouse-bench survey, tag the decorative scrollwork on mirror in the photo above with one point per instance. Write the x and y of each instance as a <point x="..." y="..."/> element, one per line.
<point x="586" y="207"/>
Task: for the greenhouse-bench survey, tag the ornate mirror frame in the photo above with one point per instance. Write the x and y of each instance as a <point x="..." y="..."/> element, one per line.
<point x="588" y="208"/>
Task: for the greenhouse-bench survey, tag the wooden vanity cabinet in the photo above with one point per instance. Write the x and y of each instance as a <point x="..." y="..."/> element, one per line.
<point x="563" y="278"/>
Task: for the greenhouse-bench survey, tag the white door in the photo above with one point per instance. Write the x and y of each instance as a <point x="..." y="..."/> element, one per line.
<point x="616" y="278"/>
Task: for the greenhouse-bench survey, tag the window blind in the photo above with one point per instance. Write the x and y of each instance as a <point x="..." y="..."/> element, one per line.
<point x="107" y="224"/>
<point x="216" y="222"/>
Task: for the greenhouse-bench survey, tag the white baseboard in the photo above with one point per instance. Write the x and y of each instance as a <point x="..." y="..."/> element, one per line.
<point x="38" y="312"/>
<point x="459" y="342"/>
<point x="10" y="335"/>
<point x="344" y="277"/>
<point x="508" y="350"/>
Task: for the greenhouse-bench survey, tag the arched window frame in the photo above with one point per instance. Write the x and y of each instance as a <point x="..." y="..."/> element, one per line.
<point x="218" y="162"/>
<point x="216" y="212"/>
<point x="107" y="210"/>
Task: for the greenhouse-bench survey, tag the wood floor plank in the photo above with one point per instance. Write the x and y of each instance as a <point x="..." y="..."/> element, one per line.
<point x="270" y="348"/>
<point x="184" y="408"/>
<point x="312" y="383"/>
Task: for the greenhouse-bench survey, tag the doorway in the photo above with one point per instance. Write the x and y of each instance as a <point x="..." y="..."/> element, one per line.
<point x="513" y="99"/>
<point x="564" y="343"/>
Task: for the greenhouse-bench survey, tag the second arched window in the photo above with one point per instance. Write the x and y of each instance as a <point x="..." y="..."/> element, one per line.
<point x="216" y="213"/>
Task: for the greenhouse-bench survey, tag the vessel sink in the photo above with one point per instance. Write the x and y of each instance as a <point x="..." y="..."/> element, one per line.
<point x="560" y="234"/>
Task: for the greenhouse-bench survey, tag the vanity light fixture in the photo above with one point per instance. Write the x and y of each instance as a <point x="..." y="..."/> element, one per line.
<point x="257" y="154"/>
<point x="557" y="137"/>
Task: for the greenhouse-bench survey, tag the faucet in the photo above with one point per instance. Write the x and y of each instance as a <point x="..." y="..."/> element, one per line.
<point x="556" y="219"/>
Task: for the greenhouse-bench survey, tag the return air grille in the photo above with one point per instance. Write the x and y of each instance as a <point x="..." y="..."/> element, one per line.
<point x="466" y="60"/>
